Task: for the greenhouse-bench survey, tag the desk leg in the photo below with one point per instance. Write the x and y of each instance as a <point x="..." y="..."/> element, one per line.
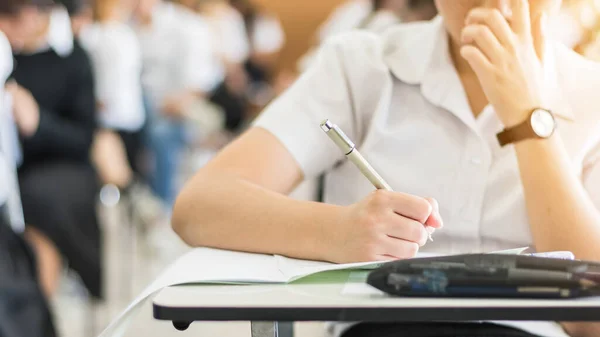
<point x="286" y="329"/>
<point x="265" y="329"/>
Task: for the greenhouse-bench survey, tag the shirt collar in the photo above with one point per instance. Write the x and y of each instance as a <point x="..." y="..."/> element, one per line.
<point x="422" y="57"/>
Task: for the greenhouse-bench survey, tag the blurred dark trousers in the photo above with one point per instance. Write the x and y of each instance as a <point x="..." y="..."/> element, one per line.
<point x="166" y="140"/>
<point x="23" y="308"/>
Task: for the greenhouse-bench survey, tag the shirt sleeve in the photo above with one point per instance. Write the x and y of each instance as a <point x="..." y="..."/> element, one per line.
<point x="591" y="176"/>
<point x="322" y="92"/>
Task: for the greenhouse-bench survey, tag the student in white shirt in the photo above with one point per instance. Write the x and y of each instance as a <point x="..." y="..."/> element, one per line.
<point x="266" y="38"/>
<point x="117" y="62"/>
<point x="26" y="312"/>
<point x="233" y="50"/>
<point x="17" y="23"/>
<point x="424" y="102"/>
<point x="178" y="67"/>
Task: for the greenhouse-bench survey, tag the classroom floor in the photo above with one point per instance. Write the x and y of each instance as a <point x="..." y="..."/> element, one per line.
<point x="133" y="261"/>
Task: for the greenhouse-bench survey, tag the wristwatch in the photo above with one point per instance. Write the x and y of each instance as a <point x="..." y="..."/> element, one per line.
<point x="541" y="124"/>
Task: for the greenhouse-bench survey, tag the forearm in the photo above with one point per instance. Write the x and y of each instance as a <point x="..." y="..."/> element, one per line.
<point x="561" y="214"/>
<point x="221" y="210"/>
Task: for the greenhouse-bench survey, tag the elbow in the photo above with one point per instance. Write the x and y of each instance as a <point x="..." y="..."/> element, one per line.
<point x="180" y="221"/>
<point x="189" y="217"/>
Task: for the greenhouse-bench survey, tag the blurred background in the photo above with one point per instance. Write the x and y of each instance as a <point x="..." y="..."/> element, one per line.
<point x="134" y="96"/>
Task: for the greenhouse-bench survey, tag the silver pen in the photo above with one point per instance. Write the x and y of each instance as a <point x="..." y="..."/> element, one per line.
<point x="348" y="147"/>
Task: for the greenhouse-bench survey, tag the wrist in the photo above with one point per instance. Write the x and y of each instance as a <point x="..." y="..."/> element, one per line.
<point x="329" y="221"/>
<point x="511" y="117"/>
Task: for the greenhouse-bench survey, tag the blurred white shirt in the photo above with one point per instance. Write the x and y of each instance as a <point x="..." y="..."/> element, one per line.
<point x="60" y="34"/>
<point x="10" y="150"/>
<point x="267" y="36"/>
<point x="177" y="53"/>
<point x="229" y="30"/>
<point x="117" y="63"/>
<point x="399" y="97"/>
<point x="345" y="17"/>
<point x="6" y="65"/>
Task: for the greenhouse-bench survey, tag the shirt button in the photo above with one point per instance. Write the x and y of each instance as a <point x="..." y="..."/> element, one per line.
<point x="476" y="161"/>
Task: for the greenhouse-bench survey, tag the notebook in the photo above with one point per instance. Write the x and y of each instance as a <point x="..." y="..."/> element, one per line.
<point x="205" y="265"/>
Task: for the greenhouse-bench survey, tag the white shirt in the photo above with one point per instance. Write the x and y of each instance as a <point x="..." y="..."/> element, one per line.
<point x="177" y="53"/>
<point x="400" y="99"/>
<point x="117" y="64"/>
<point x="9" y="143"/>
<point x="268" y="36"/>
<point x="60" y="33"/>
<point x="344" y="18"/>
<point x="231" y="38"/>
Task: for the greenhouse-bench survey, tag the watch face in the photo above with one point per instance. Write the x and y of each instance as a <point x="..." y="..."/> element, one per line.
<point x="543" y="123"/>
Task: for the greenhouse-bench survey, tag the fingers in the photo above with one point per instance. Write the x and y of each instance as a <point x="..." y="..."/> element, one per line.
<point x="399" y="227"/>
<point x="521" y="19"/>
<point x="407" y="205"/>
<point x="497" y="23"/>
<point x="435" y="219"/>
<point x="486" y="41"/>
<point x="394" y="249"/>
<point x="476" y="59"/>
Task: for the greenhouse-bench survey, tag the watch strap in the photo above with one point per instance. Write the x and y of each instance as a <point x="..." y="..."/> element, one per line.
<point x="517" y="133"/>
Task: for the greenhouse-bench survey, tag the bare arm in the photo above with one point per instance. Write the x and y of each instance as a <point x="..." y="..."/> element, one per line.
<point x="238" y="202"/>
<point x="563" y="217"/>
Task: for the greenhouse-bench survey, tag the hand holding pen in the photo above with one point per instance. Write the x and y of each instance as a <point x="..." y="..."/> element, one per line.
<point x="394" y="225"/>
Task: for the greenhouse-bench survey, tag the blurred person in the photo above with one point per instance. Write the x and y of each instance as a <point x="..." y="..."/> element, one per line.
<point x="266" y="39"/>
<point x="117" y="63"/>
<point x="346" y="16"/>
<point x="179" y="67"/>
<point x="387" y="13"/>
<point x="55" y="110"/>
<point x="382" y="15"/>
<point x="233" y="51"/>
<point x="81" y="13"/>
<point x="24" y="311"/>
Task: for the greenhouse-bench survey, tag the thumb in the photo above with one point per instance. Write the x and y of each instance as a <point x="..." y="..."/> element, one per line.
<point x="435" y="219"/>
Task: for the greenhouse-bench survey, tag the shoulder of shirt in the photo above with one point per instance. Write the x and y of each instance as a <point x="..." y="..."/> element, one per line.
<point x="372" y="47"/>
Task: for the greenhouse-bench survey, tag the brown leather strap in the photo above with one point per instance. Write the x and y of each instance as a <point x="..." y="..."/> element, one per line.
<point x="515" y="134"/>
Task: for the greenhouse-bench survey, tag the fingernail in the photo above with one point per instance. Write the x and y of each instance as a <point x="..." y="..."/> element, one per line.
<point x="430" y="230"/>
